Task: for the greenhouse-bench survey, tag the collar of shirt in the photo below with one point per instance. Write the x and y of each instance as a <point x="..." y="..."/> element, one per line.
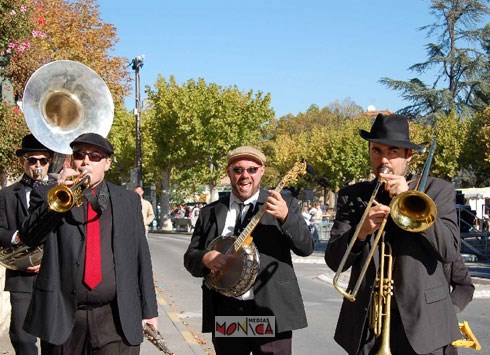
<point x="234" y="201"/>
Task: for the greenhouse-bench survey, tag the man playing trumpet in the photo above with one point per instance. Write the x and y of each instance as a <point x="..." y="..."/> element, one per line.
<point x="95" y="286"/>
<point x="423" y="319"/>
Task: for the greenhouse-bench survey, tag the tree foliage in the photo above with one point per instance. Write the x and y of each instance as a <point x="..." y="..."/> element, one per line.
<point x="476" y="155"/>
<point x="193" y="127"/>
<point x="457" y="59"/>
<point x="13" y="128"/>
<point x="63" y="29"/>
<point x="16" y="28"/>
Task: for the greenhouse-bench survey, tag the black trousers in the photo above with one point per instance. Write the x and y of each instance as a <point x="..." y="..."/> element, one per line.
<point x="281" y="344"/>
<point x="23" y="342"/>
<point x="96" y="331"/>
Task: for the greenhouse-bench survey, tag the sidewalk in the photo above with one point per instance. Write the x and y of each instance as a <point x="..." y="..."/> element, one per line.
<point x="178" y="338"/>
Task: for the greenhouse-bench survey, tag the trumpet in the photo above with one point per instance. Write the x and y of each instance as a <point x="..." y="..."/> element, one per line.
<point x="62" y="198"/>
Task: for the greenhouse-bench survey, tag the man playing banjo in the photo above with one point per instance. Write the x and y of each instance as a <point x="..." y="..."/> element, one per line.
<point x="275" y="291"/>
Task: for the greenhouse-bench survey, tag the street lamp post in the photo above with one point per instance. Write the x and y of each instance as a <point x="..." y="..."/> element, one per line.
<point x="137" y="63"/>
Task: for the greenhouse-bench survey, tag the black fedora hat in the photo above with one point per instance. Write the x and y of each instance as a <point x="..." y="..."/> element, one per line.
<point x="391" y="130"/>
<point x="31" y="144"/>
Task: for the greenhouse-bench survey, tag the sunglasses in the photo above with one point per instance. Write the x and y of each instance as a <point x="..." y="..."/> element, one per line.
<point x="239" y="170"/>
<point x="33" y="161"/>
<point x="92" y="156"/>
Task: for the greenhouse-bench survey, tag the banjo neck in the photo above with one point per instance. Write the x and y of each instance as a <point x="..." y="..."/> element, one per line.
<point x="245" y="237"/>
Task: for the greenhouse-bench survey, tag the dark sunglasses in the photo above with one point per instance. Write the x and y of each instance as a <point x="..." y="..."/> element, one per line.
<point x="92" y="156"/>
<point x="239" y="170"/>
<point x="33" y="161"/>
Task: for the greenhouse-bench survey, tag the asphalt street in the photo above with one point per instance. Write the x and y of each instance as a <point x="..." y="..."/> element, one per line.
<point x="179" y="300"/>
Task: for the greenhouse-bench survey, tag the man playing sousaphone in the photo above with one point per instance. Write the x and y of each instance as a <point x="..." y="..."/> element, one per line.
<point x="423" y="320"/>
<point x="95" y="286"/>
<point x="275" y="291"/>
<point x="14" y="202"/>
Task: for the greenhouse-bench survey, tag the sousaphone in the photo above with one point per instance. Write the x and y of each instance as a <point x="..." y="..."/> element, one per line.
<point x="64" y="99"/>
<point x="61" y="100"/>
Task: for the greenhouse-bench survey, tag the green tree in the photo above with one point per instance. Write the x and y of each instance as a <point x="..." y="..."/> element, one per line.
<point x="456" y="58"/>
<point x="476" y="155"/>
<point x="13" y="128"/>
<point x="63" y="29"/>
<point x="15" y="28"/>
<point x="346" y="108"/>
<point x="194" y="126"/>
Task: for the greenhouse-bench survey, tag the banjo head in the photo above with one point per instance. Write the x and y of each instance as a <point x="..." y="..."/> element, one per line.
<point x="240" y="272"/>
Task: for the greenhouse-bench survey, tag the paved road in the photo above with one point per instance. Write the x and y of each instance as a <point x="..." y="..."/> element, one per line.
<point x="179" y="298"/>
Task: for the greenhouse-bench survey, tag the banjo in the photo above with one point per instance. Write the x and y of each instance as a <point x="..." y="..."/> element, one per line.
<point x="242" y="267"/>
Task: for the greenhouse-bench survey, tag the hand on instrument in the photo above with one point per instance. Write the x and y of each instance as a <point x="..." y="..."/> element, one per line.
<point x="66" y="176"/>
<point x="34" y="269"/>
<point x="214" y="260"/>
<point x="276" y="206"/>
<point x="373" y="221"/>
<point x="394" y="184"/>
<point x="151" y="321"/>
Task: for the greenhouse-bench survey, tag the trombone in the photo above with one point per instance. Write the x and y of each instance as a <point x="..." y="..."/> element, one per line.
<point x="411" y="210"/>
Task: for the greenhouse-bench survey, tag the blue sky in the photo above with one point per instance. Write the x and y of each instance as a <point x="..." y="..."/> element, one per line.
<point x="301" y="52"/>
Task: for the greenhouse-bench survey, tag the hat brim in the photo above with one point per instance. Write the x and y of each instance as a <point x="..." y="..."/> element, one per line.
<point x="245" y="156"/>
<point x="22" y="151"/>
<point x="391" y="142"/>
<point x="95" y="140"/>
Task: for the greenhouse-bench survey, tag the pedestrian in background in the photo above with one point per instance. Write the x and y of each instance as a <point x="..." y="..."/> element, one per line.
<point x="146" y="209"/>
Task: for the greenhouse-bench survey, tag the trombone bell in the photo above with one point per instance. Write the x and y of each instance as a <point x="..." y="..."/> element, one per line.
<point x="413" y="211"/>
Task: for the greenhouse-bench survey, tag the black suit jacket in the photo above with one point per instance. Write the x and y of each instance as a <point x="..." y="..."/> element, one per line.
<point x="276" y="288"/>
<point x="420" y="287"/>
<point x="461" y="285"/>
<point x="54" y="301"/>
<point x="13" y="211"/>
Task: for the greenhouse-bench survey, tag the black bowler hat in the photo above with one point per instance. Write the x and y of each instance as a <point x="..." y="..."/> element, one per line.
<point x="391" y="130"/>
<point x="95" y="140"/>
<point x="31" y="144"/>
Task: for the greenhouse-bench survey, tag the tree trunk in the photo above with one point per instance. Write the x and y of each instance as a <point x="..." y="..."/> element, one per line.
<point x="165" y="221"/>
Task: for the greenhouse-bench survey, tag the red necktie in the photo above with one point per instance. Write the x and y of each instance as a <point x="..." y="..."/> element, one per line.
<point x="93" y="272"/>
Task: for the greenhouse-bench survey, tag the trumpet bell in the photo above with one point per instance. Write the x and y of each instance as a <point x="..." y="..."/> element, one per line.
<point x="413" y="211"/>
<point x="64" y="99"/>
<point x="60" y="198"/>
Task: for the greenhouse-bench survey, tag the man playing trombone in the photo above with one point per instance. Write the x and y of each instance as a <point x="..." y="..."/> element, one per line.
<point x="417" y="315"/>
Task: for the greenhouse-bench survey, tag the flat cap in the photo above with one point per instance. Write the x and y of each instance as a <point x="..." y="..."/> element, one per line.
<point x="246" y="152"/>
<point x="95" y="140"/>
